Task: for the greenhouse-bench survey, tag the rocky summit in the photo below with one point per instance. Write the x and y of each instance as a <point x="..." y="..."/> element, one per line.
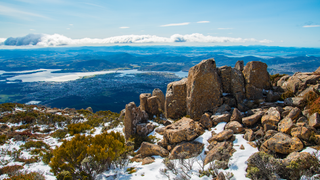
<point x="278" y="114"/>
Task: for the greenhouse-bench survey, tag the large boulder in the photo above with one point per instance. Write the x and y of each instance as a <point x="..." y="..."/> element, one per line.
<point x="235" y="126"/>
<point x="257" y="78"/>
<point x="206" y="120"/>
<point x="298" y="157"/>
<point x="314" y="120"/>
<point x="239" y="65"/>
<point x="285" y="125"/>
<point x="299" y="82"/>
<point x="249" y="135"/>
<point x="225" y="75"/>
<point x="282" y="143"/>
<point x="237" y="85"/>
<point x="216" y="119"/>
<point x="175" y="102"/>
<point x="143" y="101"/>
<point x="183" y="130"/>
<point x="251" y="120"/>
<point x="154" y="106"/>
<point x="294" y="101"/>
<point x="222" y="136"/>
<point x="158" y="93"/>
<point x="133" y="116"/>
<point x="144" y="129"/>
<point x="221" y="152"/>
<point x="148" y="149"/>
<point x="186" y="150"/>
<point x="294" y="114"/>
<point x="203" y="89"/>
<point x="302" y="131"/>
<point x="271" y="119"/>
<point x="236" y="115"/>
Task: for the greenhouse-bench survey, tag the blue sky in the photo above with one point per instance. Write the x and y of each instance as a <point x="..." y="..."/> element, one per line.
<point x="176" y="22"/>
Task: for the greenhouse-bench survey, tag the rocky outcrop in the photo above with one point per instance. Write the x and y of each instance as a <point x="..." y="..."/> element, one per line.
<point x="302" y="131"/>
<point x="154" y="106"/>
<point x="175" y="103"/>
<point x="144" y="129"/>
<point x="148" y="149"/>
<point x="158" y="93"/>
<point x="282" y="143"/>
<point x="186" y="150"/>
<point x="206" y="120"/>
<point x="133" y="116"/>
<point x="143" y="101"/>
<point x="225" y="75"/>
<point x="222" y="136"/>
<point x="237" y="85"/>
<point x="183" y="130"/>
<point x="236" y="115"/>
<point x="221" y="152"/>
<point x="298" y="82"/>
<point x="285" y="125"/>
<point x="203" y="89"/>
<point x="235" y="126"/>
<point x="314" y="120"/>
<point x="271" y="119"/>
<point x="239" y="65"/>
<point x="251" y="120"/>
<point x="257" y="78"/>
<point x="216" y="119"/>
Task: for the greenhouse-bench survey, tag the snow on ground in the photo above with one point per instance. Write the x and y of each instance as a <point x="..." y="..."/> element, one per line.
<point x="237" y="163"/>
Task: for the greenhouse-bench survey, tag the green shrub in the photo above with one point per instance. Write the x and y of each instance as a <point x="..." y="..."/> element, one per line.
<point x="7" y="107"/>
<point x="137" y="140"/>
<point x="60" y="133"/>
<point x="78" y="128"/>
<point x="286" y="95"/>
<point x="35" y="144"/>
<point x="84" y="112"/>
<point x="10" y="170"/>
<point x="276" y="77"/>
<point x="86" y="156"/>
<point x="3" y="139"/>
<point x="46" y="157"/>
<point x="27" y="176"/>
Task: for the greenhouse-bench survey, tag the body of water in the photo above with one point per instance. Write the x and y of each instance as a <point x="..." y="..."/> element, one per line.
<point x="48" y="75"/>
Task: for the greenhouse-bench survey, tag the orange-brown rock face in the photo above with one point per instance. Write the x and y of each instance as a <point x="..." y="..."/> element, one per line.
<point x="132" y="117"/>
<point x="175" y="103"/>
<point x="183" y="130"/>
<point x="203" y="89"/>
<point x="282" y="143"/>
<point x="257" y="78"/>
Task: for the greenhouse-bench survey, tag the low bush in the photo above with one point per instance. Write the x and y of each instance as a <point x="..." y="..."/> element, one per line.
<point x="84" y="112"/>
<point x="286" y="95"/>
<point x="86" y="156"/>
<point x="3" y="139"/>
<point x="46" y="157"/>
<point x="27" y="176"/>
<point x="275" y="77"/>
<point x="60" y="133"/>
<point x="35" y="144"/>
<point x="10" y="170"/>
<point x="8" y="107"/>
<point x="78" y="128"/>
<point x="137" y="140"/>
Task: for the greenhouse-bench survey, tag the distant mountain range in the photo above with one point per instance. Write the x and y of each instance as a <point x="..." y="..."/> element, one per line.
<point x="157" y="58"/>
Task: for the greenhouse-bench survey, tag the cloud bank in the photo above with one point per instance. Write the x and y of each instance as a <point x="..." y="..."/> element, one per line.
<point x="46" y="40"/>
<point x="310" y="26"/>
<point x="176" y="24"/>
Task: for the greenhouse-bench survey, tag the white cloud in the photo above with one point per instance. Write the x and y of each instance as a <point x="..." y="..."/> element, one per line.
<point x="310" y="26"/>
<point x="60" y="40"/>
<point x="203" y="22"/>
<point x="7" y="11"/>
<point x="70" y="24"/>
<point x="224" y="28"/>
<point x="2" y="40"/>
<point x="176" y="24"/>
<point x="32" y="29"/>
<point x="265" y="41"/>
<point x="124" y="27"/>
